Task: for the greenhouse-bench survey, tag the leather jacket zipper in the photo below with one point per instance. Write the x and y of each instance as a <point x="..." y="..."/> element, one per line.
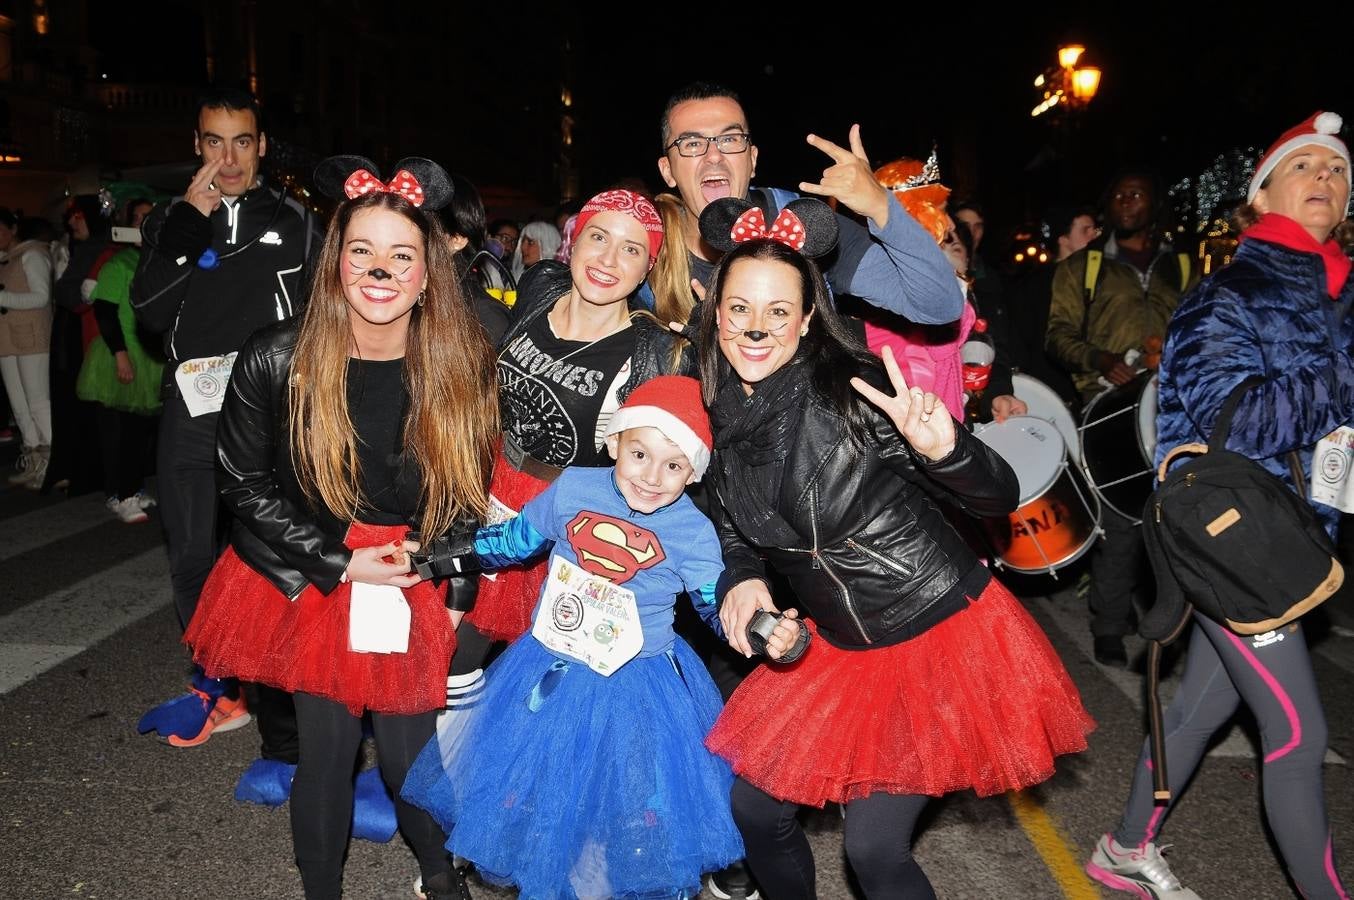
<point x="879" y="558"/>
<point x="820" y="563"/>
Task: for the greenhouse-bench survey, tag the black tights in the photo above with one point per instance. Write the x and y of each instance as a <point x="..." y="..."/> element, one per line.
<point x="878" y="844"/>
<point x="322" y="792"/>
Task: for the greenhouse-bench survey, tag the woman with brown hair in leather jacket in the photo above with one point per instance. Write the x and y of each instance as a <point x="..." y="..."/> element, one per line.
<point x="930" y="677"/>
<point x="374" y="413"/>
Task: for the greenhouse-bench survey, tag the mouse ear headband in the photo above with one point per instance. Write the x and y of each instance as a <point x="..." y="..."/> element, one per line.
<point x="421" y="181"/>
<point x="805" y="225"/>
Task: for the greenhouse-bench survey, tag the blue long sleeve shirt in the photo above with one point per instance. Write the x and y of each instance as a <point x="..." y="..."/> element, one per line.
<point x="656" y="555"/>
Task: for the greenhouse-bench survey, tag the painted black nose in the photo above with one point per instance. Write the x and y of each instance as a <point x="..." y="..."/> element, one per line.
<point x="755" y="335"/>
<point x="379" y="274"/>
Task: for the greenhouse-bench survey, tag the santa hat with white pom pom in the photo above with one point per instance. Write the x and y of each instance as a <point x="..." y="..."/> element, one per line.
<point x="1321" y="128"/>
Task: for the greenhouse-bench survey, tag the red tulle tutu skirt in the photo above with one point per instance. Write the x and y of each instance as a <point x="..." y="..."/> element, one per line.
<point x="246" y="628"/>
<point x="503" y="608"/>
<point x="979" y="701"/>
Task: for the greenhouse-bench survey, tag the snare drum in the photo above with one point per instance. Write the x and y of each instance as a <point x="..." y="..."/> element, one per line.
<point x="1118" y="440"/>
<point x="1058" y="519"/>
<point x="1044" y="403"/>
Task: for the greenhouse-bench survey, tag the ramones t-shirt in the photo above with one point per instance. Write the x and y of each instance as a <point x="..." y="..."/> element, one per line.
<point x="556" y="397"/>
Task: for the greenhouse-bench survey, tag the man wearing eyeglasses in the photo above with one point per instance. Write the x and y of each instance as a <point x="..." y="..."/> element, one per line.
<point x="708" y="154"/>
<point x="1115" y="296"/>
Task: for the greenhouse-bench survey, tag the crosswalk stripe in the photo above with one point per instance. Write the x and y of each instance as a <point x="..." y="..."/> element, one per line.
<point x="50" y="630"/>
<point x="31" y="530"/>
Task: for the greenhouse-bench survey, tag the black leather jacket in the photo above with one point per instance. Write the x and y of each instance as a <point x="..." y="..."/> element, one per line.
<point x="276" y="530"/>
<point x="875" y="562"/>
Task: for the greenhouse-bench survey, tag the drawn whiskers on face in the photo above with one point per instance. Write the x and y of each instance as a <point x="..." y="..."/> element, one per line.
<point x="376" y="272"/>
<point x="733" y="332"/>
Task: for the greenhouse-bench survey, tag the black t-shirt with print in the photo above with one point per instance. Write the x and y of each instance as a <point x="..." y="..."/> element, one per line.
<point x="552" y="392"/>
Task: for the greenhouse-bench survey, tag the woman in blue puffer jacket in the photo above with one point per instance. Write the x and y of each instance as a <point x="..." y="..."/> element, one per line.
<point x="1280" y="311"/>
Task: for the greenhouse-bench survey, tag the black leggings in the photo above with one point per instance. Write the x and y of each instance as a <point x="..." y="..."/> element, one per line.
<point x="322" y="792"/>
<point x="878" y="844"/>
<point x="1272" y="674"/>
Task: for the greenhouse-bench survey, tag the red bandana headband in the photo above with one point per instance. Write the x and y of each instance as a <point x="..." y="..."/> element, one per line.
<point x="403" y="183"/>
<point x="636" y="206"/>
<point x="751" y="226"/>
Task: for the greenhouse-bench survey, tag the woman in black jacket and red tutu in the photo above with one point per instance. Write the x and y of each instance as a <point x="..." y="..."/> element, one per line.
<point x="374" y="412"/>
<point x="929" y="676"/>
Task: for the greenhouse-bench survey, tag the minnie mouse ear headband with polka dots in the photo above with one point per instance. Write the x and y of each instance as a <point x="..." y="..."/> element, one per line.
<point x="806" y="225"/>
<point x="421" y="181"/>
<point x="636" y="206"/>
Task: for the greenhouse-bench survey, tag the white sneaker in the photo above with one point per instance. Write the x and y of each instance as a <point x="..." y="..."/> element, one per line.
<point x="1138" y="870"/>
<point x="37" y="468"/>
<point x="129" y="510"/>
<point x="23" y="465"/>
<point x="145" y="499"/>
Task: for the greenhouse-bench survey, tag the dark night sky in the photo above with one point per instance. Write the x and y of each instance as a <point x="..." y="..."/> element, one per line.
<point x="1178" y="88"/>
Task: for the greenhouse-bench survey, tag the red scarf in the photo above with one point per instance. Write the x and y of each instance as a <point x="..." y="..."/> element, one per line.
<point x="1285" y="232"/>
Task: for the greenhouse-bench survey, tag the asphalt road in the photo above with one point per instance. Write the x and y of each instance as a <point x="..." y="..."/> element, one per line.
<point x="88" y="641"/>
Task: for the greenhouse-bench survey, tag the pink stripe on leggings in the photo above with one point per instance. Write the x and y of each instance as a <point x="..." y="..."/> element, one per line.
<point x="1279" y="694"/>
<point x="1330" y="872"/>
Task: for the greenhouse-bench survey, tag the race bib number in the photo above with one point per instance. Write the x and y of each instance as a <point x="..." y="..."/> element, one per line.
<point x="588" y="618"/>
<point x="378" y="619"/>
<point x="202" y="383"/>
<point x="1330" y="482"/>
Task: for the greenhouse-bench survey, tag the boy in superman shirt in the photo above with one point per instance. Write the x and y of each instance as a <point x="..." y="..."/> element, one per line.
<point x="582" y="763"/>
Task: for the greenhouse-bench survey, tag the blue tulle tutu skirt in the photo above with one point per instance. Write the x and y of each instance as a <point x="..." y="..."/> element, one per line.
<point x="565" y="783"/>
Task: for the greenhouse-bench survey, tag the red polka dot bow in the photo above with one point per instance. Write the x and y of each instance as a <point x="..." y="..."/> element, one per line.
<point x="751" y="226"/>
<point x="404" y="183"/>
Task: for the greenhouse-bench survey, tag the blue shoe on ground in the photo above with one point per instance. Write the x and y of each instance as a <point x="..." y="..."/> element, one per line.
<point x="266" y="782"/>
<point x="373" y="808"/>
<point x="185" y="716"/>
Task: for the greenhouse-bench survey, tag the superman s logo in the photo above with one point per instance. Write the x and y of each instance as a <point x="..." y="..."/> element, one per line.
<point x="613" y="548"/>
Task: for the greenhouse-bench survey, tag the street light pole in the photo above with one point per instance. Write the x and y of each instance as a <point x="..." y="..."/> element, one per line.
<point x="1069" y="86"/>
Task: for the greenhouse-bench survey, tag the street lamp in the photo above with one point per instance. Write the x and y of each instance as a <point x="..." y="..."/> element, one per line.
<point x="1070" y="86"/>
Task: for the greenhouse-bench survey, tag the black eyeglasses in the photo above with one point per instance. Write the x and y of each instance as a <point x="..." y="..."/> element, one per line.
<point x="698" y="144"/>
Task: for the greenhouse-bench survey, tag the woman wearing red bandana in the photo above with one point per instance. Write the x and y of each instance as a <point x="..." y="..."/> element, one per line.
<point x="1279" y="311"/>
<point x="371" y="413"/>
<point x="576" y="348"/>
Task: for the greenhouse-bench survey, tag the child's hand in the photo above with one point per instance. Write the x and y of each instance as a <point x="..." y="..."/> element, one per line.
<point x="785" y="635"/>
<point x="401" y="555"/>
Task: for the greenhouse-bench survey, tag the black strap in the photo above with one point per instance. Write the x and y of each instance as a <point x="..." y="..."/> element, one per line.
<point x="1223" y="426"/>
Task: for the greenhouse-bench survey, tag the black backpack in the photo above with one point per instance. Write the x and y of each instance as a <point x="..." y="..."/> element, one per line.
<point x="1231" y="540"/>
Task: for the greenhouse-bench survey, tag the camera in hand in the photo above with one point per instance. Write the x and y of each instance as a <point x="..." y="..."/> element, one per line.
<point x="763" y="625"/>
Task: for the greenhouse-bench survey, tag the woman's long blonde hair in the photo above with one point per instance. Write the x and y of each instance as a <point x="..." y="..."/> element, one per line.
<point x="451" y="428"/>
<point x="670" y="278"/>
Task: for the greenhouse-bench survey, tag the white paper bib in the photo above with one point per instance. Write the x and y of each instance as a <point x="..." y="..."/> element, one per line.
<point x="587" y="618"/>
<point x="1330" y="481"/>
<point x="202" y="383"/>
<point x="378" y="619"/>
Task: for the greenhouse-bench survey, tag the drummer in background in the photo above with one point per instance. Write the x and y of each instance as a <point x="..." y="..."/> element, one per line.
<point x="930" y="356"/>
<point x="1091" y="327"/>
<point x="1069" y="229"/>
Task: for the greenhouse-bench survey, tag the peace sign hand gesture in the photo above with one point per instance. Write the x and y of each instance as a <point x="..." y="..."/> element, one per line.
<point x="850" y="179"/>
<point x="920" y="416"/>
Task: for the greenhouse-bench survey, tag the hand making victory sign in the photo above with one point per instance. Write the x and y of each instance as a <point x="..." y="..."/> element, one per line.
<point x="849" y="179"/>
<point x="920" y="416"/>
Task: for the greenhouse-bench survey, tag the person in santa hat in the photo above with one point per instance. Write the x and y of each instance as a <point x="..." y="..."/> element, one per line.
<point x="608" y="790"/>
<point x="1278" y="311"/>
